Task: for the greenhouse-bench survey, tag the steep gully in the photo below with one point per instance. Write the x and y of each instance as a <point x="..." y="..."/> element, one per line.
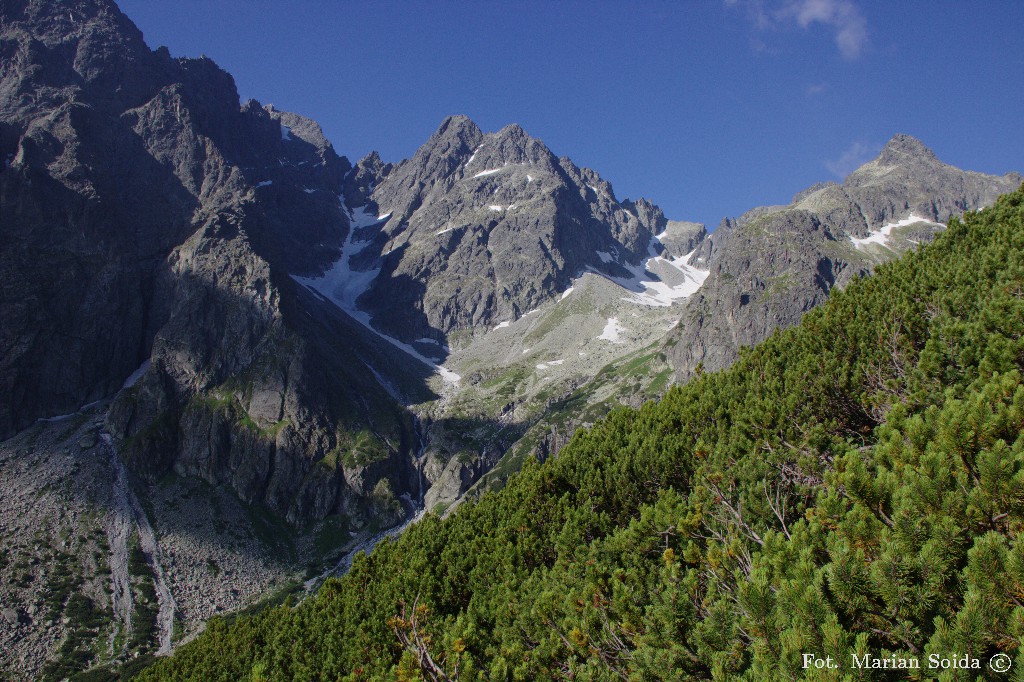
<point x="126" y="513"/>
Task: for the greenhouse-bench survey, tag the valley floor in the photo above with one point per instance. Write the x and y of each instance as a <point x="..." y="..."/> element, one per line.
<point x="97" y="569"/>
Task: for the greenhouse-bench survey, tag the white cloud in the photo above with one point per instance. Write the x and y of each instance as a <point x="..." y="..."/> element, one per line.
<point x="843" y="16"/>
<point x="855" y="156"/>
<point x="815" y="89"/>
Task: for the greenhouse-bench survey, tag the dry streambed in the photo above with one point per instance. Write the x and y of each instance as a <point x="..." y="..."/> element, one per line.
<point x="96" y="568"/>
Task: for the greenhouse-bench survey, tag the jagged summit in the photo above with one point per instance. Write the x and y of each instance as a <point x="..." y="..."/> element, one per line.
<point x="510" y="146"/>
<point x="454" y="135"/>
<point x="59" y="22"/>
<point x="775" y="263"/>
<point x="87" y="46"/>
<point x="907" y="177"/>
<point x="455" y="123"/>
<point x="150" y="222"/>
<point x="485" y="227"/>
<point x="512" y="129"/>
<point x="902" y="148"/>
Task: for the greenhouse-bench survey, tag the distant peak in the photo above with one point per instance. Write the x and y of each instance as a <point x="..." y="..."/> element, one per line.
<point x="456" y="125"/>
<point x="37" y="10"/>
<point x="902" y="147"/>
<point x="511" y="136"/>
<point x="512" y="130"/>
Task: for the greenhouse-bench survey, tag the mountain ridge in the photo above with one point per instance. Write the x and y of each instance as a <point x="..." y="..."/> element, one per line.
<point x="822" y="238"/>
<point x="182" y="208"/>
<point x="164" y="286"/>
<point x="482" y="191"/>
<point x="797" y="497"/>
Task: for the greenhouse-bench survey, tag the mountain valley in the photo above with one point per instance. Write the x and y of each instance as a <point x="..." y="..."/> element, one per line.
<point x="233" y="360"/>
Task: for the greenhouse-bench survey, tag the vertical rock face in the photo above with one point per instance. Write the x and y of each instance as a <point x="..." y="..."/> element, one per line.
<point x="775" y="263"/>
<point x="147" y="215"/>
<point x="485" y="227"/>
<point x="152" y="224"/>
<point x="82" y="225"/>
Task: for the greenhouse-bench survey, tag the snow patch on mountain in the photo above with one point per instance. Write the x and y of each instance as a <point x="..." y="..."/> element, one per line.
<point x="676" y="280"/>
<point x="612" y="331"/>
<point x="883" y="235"/>
<point x="136" y="375"/>
<point x="342" y="285"/>
<point x="659" y="281"/>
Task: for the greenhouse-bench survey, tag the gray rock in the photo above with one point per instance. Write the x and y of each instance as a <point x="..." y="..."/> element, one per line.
<point x="147" y="214"/>
<point x="485" y="227"/>
<point x="775" y="263"/>
<point x="681" y="237"/>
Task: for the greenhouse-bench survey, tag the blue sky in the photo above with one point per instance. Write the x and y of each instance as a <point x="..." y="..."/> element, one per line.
<point x="707" y="108"/>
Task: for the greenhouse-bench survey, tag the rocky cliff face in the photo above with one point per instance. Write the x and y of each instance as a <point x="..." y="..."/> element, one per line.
<point x="483" y="228"/>
<point x="775" y="263"/>
<point x="161" y="241"/>
<point x="177" y="255"/>
<point x="148" y="220"/>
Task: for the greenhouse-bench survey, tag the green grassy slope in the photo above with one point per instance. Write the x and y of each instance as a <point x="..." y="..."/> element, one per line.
<point x="853" y="485"/>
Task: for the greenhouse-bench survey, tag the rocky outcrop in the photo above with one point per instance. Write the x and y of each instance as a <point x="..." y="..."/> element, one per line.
<point x="150" y="220"/>
<point x="680" y="237"/>
<point x="153" y="223"/>
<point x="774" y="263"/>
<point x="485" y="227"/>
<point x="362" y="180"/>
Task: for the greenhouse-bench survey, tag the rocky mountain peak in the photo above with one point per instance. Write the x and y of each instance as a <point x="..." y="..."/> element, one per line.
<point x="453" y="132"/>
<point x="482" y="228"/>
<point x="904" y="148"/>
<point x="647" y="212"/>
<point x="906" y="178"/>
<point x="432" y="166"/>
<point x="450" y="145"/>
<point x="512" y="130"/>
<point x="510" y="146"/>
<point x="775" y="263"/>
<point x="363" y="179"/>
<point x="59" y="21"/>
<point x="55" y="48"/>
